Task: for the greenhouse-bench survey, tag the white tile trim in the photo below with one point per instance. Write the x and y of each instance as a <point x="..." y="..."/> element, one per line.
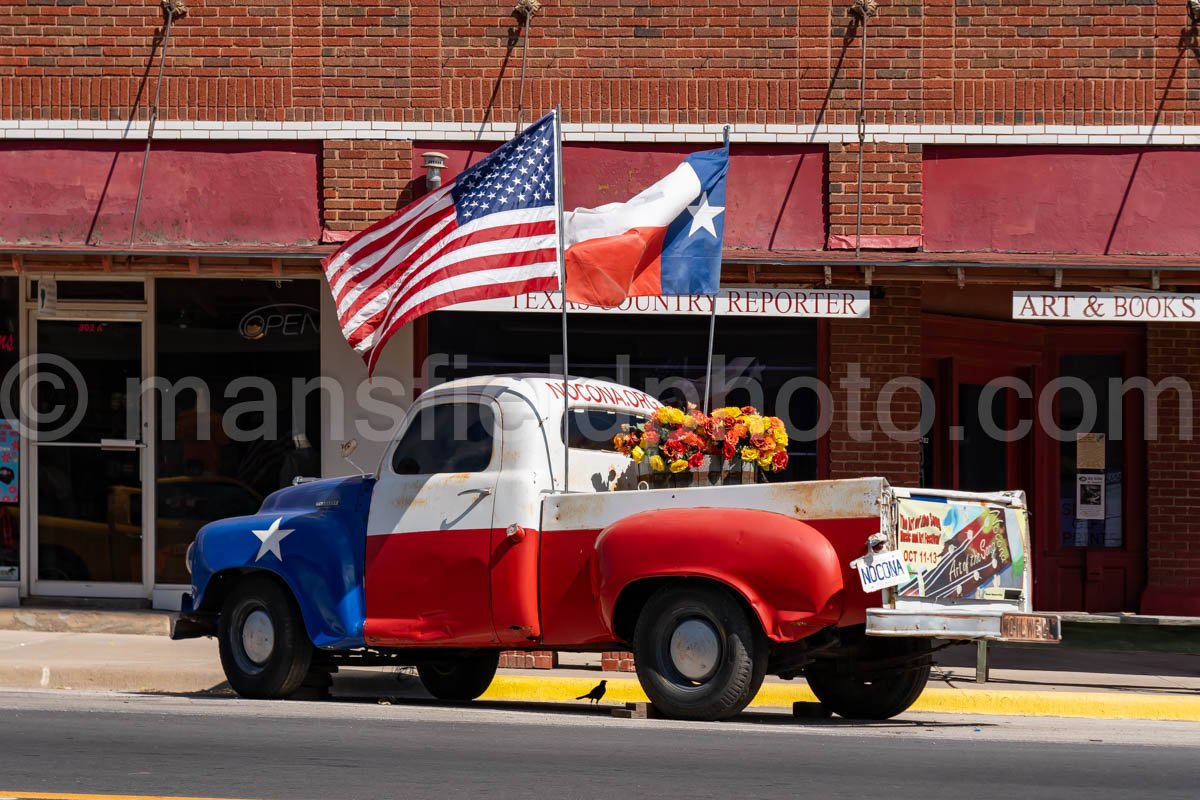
<point x="607" y="132"/>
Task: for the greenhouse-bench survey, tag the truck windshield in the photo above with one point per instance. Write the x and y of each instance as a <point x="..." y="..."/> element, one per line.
<point x="594" y="428"/>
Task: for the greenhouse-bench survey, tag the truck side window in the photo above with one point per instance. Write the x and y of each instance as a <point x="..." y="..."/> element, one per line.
<point x="594" y="428"/>
<point x="448" y="437"/>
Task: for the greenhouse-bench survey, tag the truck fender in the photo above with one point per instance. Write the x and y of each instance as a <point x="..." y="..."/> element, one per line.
<point x="321" y="569"/>
<point x="785" y="570"/>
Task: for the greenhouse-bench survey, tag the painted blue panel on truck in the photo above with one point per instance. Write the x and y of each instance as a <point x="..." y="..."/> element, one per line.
<point x="313" y="536"/>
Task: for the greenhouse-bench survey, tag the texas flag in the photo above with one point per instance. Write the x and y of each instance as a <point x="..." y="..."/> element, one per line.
<point x="666" y="240"/>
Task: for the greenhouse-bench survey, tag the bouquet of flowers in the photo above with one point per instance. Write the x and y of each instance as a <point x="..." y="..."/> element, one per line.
<point x="673" y="440"/>
<point x="744" y="433"/>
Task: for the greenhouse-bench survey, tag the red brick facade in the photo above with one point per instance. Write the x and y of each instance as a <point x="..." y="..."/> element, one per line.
<point x="865" y="355"/>
<point x="1173" y="476"/>
<point x="767" y="66"/>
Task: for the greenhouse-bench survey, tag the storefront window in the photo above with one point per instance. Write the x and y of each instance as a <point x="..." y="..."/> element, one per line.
<point x="10" y="442"/>
<point x="757" y="362"/>
<point x="239" y="407"/>
<point x="1091" y="462"/>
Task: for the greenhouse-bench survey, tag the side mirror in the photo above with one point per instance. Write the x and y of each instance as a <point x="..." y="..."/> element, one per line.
<point x="348" y="448"/>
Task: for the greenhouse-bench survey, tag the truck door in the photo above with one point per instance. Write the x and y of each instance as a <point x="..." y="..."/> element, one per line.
<point x="430" y="527"/>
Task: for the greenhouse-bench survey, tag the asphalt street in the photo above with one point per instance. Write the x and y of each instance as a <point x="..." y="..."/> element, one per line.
<point x="224" y="747"/>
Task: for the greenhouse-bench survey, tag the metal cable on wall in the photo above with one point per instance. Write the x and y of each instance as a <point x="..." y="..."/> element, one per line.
<point x="863" y="10"/>
<point x="524" y="12"/>
<point x="172" y="10"/>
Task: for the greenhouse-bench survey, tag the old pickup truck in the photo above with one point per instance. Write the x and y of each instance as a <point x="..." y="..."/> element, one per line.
<point x="468" y="541"/>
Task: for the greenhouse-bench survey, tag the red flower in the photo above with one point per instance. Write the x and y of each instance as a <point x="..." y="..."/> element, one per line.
<point x="650" y="438"/>
<point x="672" y="448"/>
<point x="749" y="410"/>
<point x="730" y="451"/>
<point x="780" y="460"/>
<point x="696" y="461"/>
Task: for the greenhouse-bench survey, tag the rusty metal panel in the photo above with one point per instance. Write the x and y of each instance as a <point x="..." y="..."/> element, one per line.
<point x="808" y="500"/>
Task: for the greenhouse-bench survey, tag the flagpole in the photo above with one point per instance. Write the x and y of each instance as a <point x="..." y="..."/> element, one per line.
<point x="712" y="328"/>
<point x="562" y="285"/>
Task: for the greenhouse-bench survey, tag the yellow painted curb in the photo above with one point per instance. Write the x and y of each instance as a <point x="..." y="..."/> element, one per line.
<point x="77" y="796"/>
<point x="1091" y="705"/>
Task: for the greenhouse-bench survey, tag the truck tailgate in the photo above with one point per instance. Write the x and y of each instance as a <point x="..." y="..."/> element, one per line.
<point x="967" y="572"/>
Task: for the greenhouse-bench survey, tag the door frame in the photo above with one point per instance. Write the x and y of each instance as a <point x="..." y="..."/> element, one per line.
<point x="93" y="311"/>
<point x="1129" y="343"/>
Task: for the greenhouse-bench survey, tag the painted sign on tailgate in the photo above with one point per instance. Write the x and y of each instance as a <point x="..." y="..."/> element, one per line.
<point x="960" y="551"/>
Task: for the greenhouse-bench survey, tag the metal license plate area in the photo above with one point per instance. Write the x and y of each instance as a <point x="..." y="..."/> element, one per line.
<point x="1037" y="628"/>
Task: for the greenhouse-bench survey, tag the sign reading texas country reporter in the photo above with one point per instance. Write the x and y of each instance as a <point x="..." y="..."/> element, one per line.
<point x="1107" y="306"/>
<point x="739" y="302"/>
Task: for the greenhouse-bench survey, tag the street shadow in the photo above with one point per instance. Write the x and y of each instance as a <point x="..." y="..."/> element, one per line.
<point x="409" y="693"/>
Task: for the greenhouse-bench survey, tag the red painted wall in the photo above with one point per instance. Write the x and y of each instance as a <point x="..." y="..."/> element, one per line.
<point x="1090" y="200"/>
<point x="775" y="198"/>
<point x="77" y="193"/>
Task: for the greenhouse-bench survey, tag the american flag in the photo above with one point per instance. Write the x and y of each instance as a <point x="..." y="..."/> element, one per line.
<point x="493" y="232"/>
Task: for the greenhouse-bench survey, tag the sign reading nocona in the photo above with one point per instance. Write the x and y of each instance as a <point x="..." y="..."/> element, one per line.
<point x="755" y="302"/>
<point x="1107" y="306"/>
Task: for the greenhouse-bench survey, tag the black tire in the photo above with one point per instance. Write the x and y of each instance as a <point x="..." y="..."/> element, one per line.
<point x="719" y="687"/>
<point x="267" y="671"/>
<point x="855" y="689"/>
<point x="462" y="679"/>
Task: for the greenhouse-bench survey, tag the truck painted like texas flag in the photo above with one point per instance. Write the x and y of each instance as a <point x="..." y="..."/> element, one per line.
<point x="469" y="541"/>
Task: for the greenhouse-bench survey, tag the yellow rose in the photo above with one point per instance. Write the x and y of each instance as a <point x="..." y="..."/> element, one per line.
<point x="669" y="415"/>
<point x="780" y="436"/>
<point x="765" y="462"/>
<point x="756" y="424"/>
<point x="656" y="463"/>
<point x="679" y="465"/>
<point x="638" y="454"/>
<point x="749" y="454"/>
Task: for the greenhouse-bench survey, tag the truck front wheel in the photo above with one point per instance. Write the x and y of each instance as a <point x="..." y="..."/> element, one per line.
<point x="265" y="650"/>
<point x="462" y="679"/>
<point x="882" y="681"/>
<point x="699" y="654"/>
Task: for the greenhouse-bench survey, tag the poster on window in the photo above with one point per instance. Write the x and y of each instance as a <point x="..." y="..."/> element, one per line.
<point x="1089" y="496"/>
<point x="10" y="460"/>
<point x="960" y="551"/>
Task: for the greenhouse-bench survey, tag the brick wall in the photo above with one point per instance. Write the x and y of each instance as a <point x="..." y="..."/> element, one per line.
<point x="760" y="62"/>
<point x="692" y="61"/>
<point x="871" y="353"/>
<point x="363" y="180"/>
<point x="891" y="211"/>
<point x="1173" y="479"/>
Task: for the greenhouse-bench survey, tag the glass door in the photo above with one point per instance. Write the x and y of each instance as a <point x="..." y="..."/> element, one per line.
<point x="89" y="458"/>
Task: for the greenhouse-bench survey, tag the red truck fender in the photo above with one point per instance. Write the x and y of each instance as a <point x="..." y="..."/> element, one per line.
<point x="785" y="570"/>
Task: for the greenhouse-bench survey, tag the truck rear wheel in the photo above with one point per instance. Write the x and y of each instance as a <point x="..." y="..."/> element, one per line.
<point x="699" y="654"/>
<point x="462" y="679"/>
<point x="883" y="681"/>
<point x="265" y="650"/>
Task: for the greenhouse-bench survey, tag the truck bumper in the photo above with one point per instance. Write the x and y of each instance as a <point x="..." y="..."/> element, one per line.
<point x="987" y="624"/>
<point x="189" y="624"/>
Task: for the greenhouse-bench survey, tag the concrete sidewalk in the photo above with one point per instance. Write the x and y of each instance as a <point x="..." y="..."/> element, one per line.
<point x="1026" y="682"/>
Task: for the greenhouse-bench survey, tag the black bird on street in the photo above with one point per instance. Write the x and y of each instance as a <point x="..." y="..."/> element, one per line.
<point x="595" y="694"/>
